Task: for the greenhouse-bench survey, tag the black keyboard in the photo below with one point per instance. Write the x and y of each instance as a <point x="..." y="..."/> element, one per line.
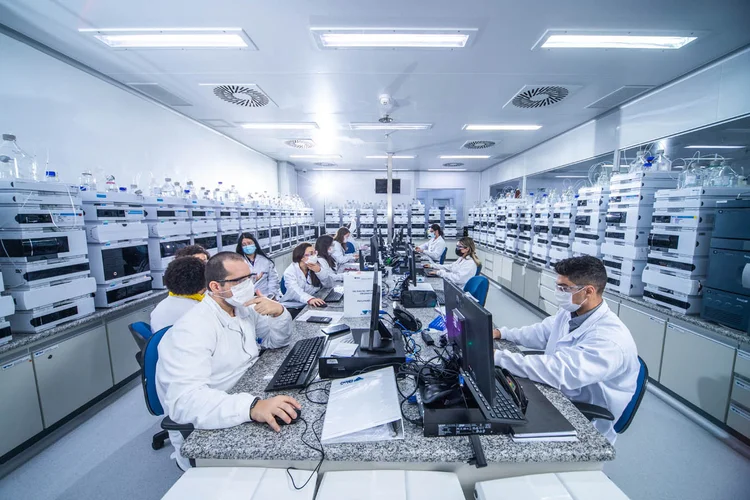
<point x="440" y="297"/>
<point x="504" y="411"/>
<point x="298" y="365"/>
<point x="334" y="296"/>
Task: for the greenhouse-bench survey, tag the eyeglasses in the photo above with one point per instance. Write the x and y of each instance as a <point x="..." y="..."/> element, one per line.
<point x="459" y="247"/>
<point x="569" y="288"/>
<point x="237" y="280"/>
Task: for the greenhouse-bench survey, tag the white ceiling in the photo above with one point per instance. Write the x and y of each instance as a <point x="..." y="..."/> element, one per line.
<point x="333" y="88"/>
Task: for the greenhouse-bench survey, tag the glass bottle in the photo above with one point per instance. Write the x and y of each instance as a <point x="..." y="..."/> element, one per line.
<point x="111" y="186"/>
<point x="87" y="182"/>
<point x="662" y="163"/>
<point x="22" y="164"/>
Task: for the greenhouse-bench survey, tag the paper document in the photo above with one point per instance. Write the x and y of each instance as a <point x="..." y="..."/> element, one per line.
<point x="422" y="287"/>
<point x="363" y="408"/>
<point x="336" y="316"/>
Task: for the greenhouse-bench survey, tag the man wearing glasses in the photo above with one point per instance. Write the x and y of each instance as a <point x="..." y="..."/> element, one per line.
<point x="589" y="353"/>
<point x="207" y="351"/>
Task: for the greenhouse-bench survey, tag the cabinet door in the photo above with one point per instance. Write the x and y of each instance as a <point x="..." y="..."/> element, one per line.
<point x="489" y="263"/>
<point x="20" y="418"/>
<point x="531" y="286"/>
<point x="122" y="347"/>
<point x="518" y="279"/>
<point x="698" y="368"/>
<point x="648" y="333"/>
<point x="506" y="273"/>
<point x="497" y="274"/>
<point x="72" y="373"/>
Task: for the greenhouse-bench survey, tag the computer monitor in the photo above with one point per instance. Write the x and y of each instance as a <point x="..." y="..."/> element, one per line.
<point x="412" y="267"/>
<point x="379" y="338"/>
<point x="361" y="260"/>
<point x="374" y="250"/>
<point x="470" y="333"/>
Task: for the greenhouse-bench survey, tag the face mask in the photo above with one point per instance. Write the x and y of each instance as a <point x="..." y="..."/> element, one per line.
<point x="242" y="293"/>
<point x="459" y="252"/>
<point x="249" y="249"/>
<point x="565" y="301"/>
<point x="313" y="259"/>
<point x="431" y="235"/>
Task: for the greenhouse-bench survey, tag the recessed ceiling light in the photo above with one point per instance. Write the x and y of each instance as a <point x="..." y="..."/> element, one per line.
<point x="279" y="126"/>
<point x="172" y="38"/>
<point x="420" y="38"/>
<point x="571" y="39"/>
<point x="571" y="176"/>
<point x="465" y="157"/>
<point x="315" y="157"/>
<point x="390" y="126"/>
<point x="446" y="170"/>
<point x="501" y="127"/>
<point x="395" y="157"/>
<point x="718" y="146"/>
<point x="453" y="164"/>
<point x="332" y="169"/>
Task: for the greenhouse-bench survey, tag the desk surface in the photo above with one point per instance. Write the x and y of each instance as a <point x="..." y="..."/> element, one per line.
<point x="252" y="441"/>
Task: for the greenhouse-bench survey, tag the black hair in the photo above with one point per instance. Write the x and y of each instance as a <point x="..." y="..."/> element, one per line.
<point x="258" y="249"/>
<point x="298" y="254"/>
<point x="322" y="245"/>
<point x="216" y="269"/>
<point x="436" y="227"/>
<point x="191" y="251"/>
<point x="583" y="271"/>
<point x="185" y="276"/>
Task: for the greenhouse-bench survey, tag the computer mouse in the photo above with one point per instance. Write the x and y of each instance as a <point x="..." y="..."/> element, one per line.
<point x="322" y="306"/>
<point x="294" y="420"/>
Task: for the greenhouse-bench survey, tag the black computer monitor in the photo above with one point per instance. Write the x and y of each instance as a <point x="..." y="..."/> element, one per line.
<point x="361" y="261"/>
<point x="412" y="267"/>
<point x="379" y="338"/>
<point x="470" y="333"/>
<point x="374" y="250"/>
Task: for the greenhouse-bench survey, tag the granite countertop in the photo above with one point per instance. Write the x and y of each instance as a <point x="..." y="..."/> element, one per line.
<point x="252" y="441"/>
<point x="24" y="339"/>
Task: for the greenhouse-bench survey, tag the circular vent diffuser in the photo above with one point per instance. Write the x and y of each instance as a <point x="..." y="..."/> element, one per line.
<point x="241" y="96"/>
<point x="300" y="143"/>
<point x="453" y="164"/>
<point x="479" y="144"/>
<point x="540" y="97"/>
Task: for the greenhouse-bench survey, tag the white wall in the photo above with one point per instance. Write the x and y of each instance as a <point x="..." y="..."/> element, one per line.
<point x="87" y="123"/>
<point x="715" y="93"/>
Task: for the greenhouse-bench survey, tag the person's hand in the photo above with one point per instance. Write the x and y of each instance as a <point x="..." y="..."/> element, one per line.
<point x="314" y="267"/>
<point x="418" y="250"/>
<point x="356" y="257"/>
<point x="266" y="410"/>
<point x="496" y="334"/>
<point x="266" y="307"/>
<point x="426" y="266"/>
<point x="316" y="302"/>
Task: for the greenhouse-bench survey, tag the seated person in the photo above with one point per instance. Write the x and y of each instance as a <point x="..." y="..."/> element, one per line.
<point x="266" y="277"/>
<point x="589" y="353"/>
<point x="186" y="281"/>
<point x="193" y="251"/>
<point x="327" y="274"/>
<point x="460" y="271"/>
<point x="339" y="249"/>
<point x="301" y="279"/>
<point x="435" y="243"/>
<point x="209" y="349"/>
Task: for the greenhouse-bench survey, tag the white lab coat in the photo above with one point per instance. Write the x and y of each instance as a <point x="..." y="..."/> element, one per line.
<point x="596" y="363"/>
<point x="457" y="272"/>
<point x="204" y="355"/>
<point x="340" y="256"/>
<point x="299" y="288"/>
<point x="269" y="282"/>
<point x="327" y="276"/>
<point x="433" y="248"/>
<point x="169" y="310"/>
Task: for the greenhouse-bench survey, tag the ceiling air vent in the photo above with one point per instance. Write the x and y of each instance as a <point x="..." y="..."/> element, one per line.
<point x="478" y="144"/>
<point x="249" y="96"/>
<point x="453" y="164"/>
<point x="325" y="164"/>
<point x="300" y="143"/>
<point x="541" y="96"/>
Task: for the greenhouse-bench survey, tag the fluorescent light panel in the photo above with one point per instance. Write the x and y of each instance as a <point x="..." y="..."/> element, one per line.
<point x="172" y="38"/>
<point x="419" y="38"/>
<point x="718" y="146"/>
<point x="501" y="127"/>
<point x="390" y="126"/>
<point x="280" y="126"/>
<point x="569" y="39"/>
<point x="446" y="170"/>
<point x="385" y="170"/>
<point x="332" y="169"/>
<point x="571" y="176"/>
<point x="315" y="157"/>
<point x="395" y="157"/>
<point x="465" y="157"/>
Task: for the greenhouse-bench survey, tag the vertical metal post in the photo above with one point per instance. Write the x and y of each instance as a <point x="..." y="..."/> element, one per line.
<point x="389" y="197"/>
<point x="523" y="186"/>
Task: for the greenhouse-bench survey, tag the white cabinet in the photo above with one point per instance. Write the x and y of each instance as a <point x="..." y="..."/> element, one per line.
<point x="71" y="373"/>
<point x="506" y="272"/>
<point x="648" y="332"/>
<point x="20" y="417"/>
<point x="698" y="368"/>
<point x="488" y="262"/>
<point x="122" y="346"/>
<point x="531" y="285"/>
<point x="738" y="419"/>
<point x="518" y="279"/>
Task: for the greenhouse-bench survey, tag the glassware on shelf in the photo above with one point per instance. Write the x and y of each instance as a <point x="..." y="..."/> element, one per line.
<point x="110" y="185"/>
<point x="87" y="182"/>
<point x="51" y="176"/>
<point x="662" y="163"/>
<point x="167" y="189"/>
<point x="15" y="159"/>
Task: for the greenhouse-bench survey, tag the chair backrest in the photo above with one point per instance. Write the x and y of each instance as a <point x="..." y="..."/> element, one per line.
<point x="148" y="373"/>
<point x="479" y="270"/>
<point x="141" y="332"/>
<point x="350" y="247"/>
<point x="282" y="287"/>
<point x="640" y="389"/>
<point x="478" y="286"/>
<point x="442" y="255"/>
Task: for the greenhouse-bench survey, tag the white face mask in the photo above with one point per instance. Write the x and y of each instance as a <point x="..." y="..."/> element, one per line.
<point x="312" y="259"/>
<point x="244" y="292"/>
<point x="565" y="301"/>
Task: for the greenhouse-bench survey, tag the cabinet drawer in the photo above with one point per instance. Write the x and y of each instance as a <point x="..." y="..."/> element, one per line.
<point x="742" y="364"/>
<point x="547" y="294"/>
<point x="548" y="307"/>
<point x="549" y="280"/>
<point x="741" y="392"/>
<point x="698" y="368"/>
<point x="739" y="420"/>
<point x="21" y="417"/>
<point x="648" y="333"/>
<point x="122" y="347"/>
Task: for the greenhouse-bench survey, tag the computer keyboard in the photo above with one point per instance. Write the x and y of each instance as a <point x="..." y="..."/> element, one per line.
<point x="504" y="411"/>
<point x="298" y="365"/>
<point x="440" y="297"/>
<point x="333" y="296"/>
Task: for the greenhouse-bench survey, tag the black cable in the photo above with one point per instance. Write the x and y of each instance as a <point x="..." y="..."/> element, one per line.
<point x="319" y="450"/>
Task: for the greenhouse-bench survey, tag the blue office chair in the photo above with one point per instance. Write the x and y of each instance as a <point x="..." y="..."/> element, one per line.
<point x="350" y="247"/>
<point x="592" y="411"/>
<point x="479" y="270"/>
<point x="442" y="255"/>
<point x="282" y="287"/>
<point x="149" y="356"/>
<point x="478" y="286"/>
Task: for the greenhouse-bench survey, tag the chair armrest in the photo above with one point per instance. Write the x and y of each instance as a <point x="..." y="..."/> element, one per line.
<point x="170" y="425"/>
<point x="592" y="411"/>
<point x="532" y="353"/>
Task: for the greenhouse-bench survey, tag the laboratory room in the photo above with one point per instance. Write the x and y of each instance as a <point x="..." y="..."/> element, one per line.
<point x="336" y="250"/>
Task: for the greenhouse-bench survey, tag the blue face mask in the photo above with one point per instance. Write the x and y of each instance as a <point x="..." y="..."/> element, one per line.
<point x="431" y="234"/>
<point x="249" y="249"/>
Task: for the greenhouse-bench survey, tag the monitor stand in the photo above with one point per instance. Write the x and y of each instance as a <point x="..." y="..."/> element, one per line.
<point x="375" y="343"/>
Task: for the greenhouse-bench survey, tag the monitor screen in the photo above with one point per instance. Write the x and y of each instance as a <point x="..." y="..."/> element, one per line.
<point x="374" y="249"/>
<point x="381" y="186"/>
<point x="412" y="267"/>
<point x="375" y="306"/>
